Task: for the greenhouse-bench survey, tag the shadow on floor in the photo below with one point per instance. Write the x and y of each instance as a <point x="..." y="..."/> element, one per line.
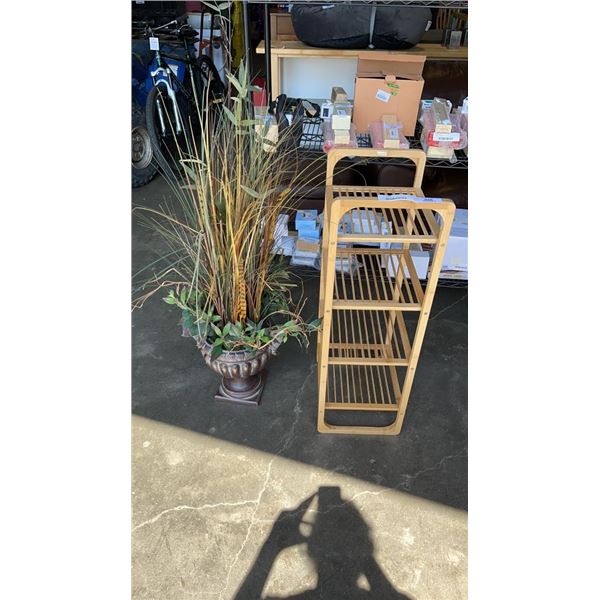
<point x="338" y="542"/>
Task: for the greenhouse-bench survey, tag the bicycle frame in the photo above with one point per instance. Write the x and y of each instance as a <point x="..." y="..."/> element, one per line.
<point x="168" y="75"/>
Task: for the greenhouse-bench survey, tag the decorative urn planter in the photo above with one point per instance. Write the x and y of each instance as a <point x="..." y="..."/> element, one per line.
<point x="242" y="372"/>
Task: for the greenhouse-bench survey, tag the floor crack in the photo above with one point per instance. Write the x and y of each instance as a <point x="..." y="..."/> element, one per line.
<point x="253" y="521"/>
<point x="187" y="507"/>
<point x="447" y="307"/>
<point x="297" y="410"/>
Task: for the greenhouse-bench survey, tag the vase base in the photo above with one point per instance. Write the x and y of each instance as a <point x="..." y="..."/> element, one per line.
<point x="246" y="398"/>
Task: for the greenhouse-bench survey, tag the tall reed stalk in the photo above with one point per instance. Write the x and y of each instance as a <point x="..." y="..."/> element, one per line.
<point x="219" y="267"/>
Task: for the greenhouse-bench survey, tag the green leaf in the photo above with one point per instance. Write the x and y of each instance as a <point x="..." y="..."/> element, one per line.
<point x="252" y="193"/>
<point x="190" y="172"/>
<point x="184" y="295"/>
<point x="236" y="84"/>
<point x="216" y="351"/>
<point x="230" y="115"/>
<point x="226" y="329"/>
<point x="169" y="300"/>
<point x="217" y="330"/>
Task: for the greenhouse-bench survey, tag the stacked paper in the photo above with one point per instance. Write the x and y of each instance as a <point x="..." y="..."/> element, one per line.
<point x="283" y="243"/>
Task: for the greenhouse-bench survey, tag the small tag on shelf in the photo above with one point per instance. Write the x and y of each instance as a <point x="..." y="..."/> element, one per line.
<point x="446" y="137"/>
<point x="154" y="45"/>
<point x="409" y="197"/>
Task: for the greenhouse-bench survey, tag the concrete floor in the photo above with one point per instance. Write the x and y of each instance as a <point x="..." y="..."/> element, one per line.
<point x="213" y="484"/>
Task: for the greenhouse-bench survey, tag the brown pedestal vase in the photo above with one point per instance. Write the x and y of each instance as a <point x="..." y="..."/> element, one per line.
<point x="242" y="372"/>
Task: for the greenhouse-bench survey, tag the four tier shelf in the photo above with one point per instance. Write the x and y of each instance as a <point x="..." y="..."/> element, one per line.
<point x="367" y="350"/>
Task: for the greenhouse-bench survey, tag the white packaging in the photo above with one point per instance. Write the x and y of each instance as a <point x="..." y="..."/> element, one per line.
<point x="367" y="221"/>
<point x="419" y="257"/>
<point x="455" y="258"/>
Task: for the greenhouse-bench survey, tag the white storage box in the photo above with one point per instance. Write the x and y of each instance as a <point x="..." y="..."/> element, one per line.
<point x="419" y="256"/>
<point x="455" y="258"/>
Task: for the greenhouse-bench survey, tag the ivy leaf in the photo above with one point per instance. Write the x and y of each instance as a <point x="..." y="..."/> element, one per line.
<point x="216" y="351"/>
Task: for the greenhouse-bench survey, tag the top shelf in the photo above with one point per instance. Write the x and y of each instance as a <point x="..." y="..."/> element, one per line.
<point x="426" y="3"/>
<point x="296" y="48"/>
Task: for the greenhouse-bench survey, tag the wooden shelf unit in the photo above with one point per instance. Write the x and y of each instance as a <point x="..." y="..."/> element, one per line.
<point x="280" y="50"/>
<point x="367" y="353"/>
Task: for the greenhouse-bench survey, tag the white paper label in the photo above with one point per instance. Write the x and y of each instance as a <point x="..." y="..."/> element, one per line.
<point x="409" y="197"/>
<point x="393" y="133"/>
<point x="154" y="43"/>
<point x="383" y="95"/>
<point x="446" y="137"/>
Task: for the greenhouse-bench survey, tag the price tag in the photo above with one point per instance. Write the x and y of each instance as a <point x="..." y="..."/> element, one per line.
<point x="446" y="137"/>
<point x="383" y="95"/>
<point x="154" y="43"/>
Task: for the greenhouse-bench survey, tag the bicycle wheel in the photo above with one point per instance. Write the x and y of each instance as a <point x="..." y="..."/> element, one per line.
<point x="143" y="169"/>
<point x="167" y="142"/>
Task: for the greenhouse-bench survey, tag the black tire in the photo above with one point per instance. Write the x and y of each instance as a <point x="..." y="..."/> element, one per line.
<point x="143" y="168"/>
<point x="207" y="77"/>
<point x="165" y="147"/>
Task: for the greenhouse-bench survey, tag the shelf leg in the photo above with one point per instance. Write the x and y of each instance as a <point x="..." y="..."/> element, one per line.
<point x="325" y="305"/>
<point x="268" y="52"/>
<point x="413" y="359"/>
<point x="247" y="48"/>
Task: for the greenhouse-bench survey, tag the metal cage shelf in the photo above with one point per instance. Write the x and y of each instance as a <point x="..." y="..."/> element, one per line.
<point x="426" y="3"/>
<point x="311" y="142"/>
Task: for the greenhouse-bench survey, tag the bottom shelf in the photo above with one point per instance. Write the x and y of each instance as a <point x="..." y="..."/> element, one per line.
<point x="363" y="387"/>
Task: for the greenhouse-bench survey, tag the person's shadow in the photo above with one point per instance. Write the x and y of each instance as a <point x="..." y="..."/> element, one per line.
<point x="339" y="544"/>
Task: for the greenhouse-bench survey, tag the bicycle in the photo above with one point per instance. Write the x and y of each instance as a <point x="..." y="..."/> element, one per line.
<point x="183" y="86"/>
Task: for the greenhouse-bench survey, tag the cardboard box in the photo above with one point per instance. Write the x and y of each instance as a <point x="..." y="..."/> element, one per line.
<point x="338" y="94"/>
<point x="304" y="246"/>
<point x="388" y="83"/>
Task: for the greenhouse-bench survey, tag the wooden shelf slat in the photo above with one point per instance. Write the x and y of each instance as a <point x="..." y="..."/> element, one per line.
<point x="291" y="48"/>
<point x="361" y="406"/>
